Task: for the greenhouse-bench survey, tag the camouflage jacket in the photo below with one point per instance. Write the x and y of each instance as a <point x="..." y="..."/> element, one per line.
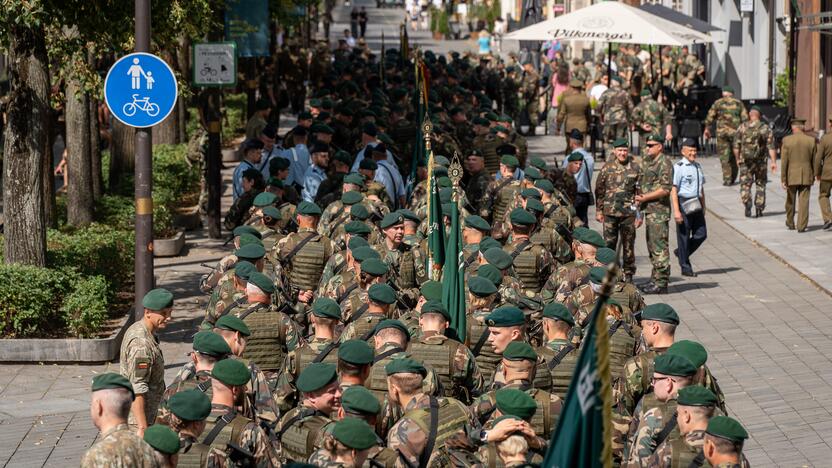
<point x="657" y="173"/>
<point x="119" y="447"/>
<point x="142" y="363"/>
<point x="634" y="382"/>
<point x="648" y="424"/>
<point x="223" y="298"/>
<point x="650" y="112"/>
<point x="252" y="439"/>
<point x="615" y="106"/>
<point x="728" y="113"/>
<point x="752" y="140"/>
<point x="209" y="281"/>
<point x="566" y="279"/>
<point x="616" y="188"/>
<point x="485" y="405"/>
<point x="465" y="372"/>
<point x="692" y="442"/>
<point x="475" y="189"/>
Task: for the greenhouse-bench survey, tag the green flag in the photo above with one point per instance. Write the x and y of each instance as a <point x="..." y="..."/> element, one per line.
<point x="436" y="225"/>
<point x="453" y="275"/>
<point x="584" y="432"/>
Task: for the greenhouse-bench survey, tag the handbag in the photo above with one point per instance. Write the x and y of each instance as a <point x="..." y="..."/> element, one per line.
<point x="590" y="195"/>
<point x="692" y="205"/>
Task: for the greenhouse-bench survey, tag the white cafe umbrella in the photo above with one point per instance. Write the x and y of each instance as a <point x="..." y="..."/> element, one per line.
<point x="611" y="21"/>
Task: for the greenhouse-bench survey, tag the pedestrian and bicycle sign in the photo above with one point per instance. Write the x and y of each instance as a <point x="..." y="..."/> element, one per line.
<point x="215" y="64"/>
<point x="140" y="90"/>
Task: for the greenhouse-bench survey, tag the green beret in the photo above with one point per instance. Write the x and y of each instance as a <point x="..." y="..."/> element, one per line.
<point x="211" y="344"/>
<point x="521" y="217"/>
<point x="606" y="255"/>
<point x="381" y="293"/>
<point x="308" y="209"/>
<point x="755" y="108"/>
<point x="264" y="199"/>
<point x="530" y="193"/>
<point x="243" y="269"/>
<point x="375" y="266"/>
<point x="354" y="179"/>
<point x="596" y="274"/>
<point x="617" y="78"/>
<point x="728" y="89"/>
<point x="410" y="215"/>
<point x="620" y="143"/>
<point x="316" y="376"/>
<point x="575" y="156"/>
<point x="535" y="206"/>
<point x="478" y="223"/>
<point x="558" y="311"/>
<point x="481" y="121"/>
<point x="545" y="184"/>
<point x="279" y="164"/>
<point x="251" y="252"/>
<point x="442" y="160"/>
<point x="357" y="242"/>
<point x="696" y="395"/>
<point x="519" y="351"/>
<point x="357" y="399"/>
<point x="444" y="181"/>
<point x="355" y="434"/>
<point x="576" y="83"/>
<point x="533" y="174"/>
<point x="352" y="197"/>
<point x="356" y="352"/>
<point x="261" y="281"/>
<point x="320" y="127"/>
<point x="503" y="418"/>
<point x="509" y="161"/>
<point x="481" y="287"/>
<point x="695" y="352"/>
<point x="359" y="212"/>
<point x="498" y="257"/>
<point x="247" y="239"/>
<point x="492" y="116"/>
<point x="364" y="253"/>
<point x="435" y="307"/>
<point x="660" y="313"/>
<point x="506" y="316"/>
<point x="240" y="230"/>
<point x="654" y="137"/>
<point x="726" y="428"/>
<point x="272" y="212"/>
<point x="589" y="236"/>
<point x="391" y="219"/>
<point x="539" y="163"/>
<point x="343" y="157"/>
<point x="190" y="405"/>
<point x="231" y="372"/>
<point x="431" y="290"/>
<point x="514" y="402"/>
<point x="673" y="364"/>
<point x="162" y="439"/>
<point x="645" y="92"/>
<point x="275" y="182"/>
<point x="491" y="273"/>
<point x="392" y="323"/>
<point x="357" y="227"/>
<point x="405" y="366"/>
<point x="233" y="323"/>
<point x="326" y="308"/>
<point x="111" y="380"/>
<point x="158" y="299"/>
<point x="488" y="243"/>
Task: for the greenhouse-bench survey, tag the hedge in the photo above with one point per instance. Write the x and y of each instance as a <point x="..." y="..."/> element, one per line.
<point x="95" y="250"/>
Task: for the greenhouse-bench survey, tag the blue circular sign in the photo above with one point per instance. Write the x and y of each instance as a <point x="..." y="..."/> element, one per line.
<point x="140" y="90"/>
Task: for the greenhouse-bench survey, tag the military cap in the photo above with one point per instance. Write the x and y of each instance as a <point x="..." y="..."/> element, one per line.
<point x="261" y="281"/>
<point x="251" y="252"/>
<point x="521" y="217"/>
<point x="405" y="366"/>
<point x="533" y="174"/>
<point x="606" y="255"/>
<point x="728" y="89"/>
<point x="391" y="219"/>
<point x="576" y="83"/>
<point x="674" y="364"/>
<point x="162" y="439"/>
<point x="159" y="299"/>
<point x="354" y="433"/>
<point x="576" y="134"/>
<point x="514" y="402"/>
<point x="545" y="185"/>
<point x="620" y="143"/>
<point x="381" y="293"/>
<point x="233" y="323"/>
<point x="355" y="352"/>
<point x="435" y="307"/>
<point x="689" y="142"/>
<point x="270" y="131"/>
<point x="498" y="257"/>
<point x="695" y="352"/>
<point x="320" y="127"/>
<point x="190" y="405"/>
<point x="326" y="308"/>
<point x="654" y="137"/>
<point x="503" y="418"/>
<point x="370" y="128"/>
<point x="243" y="269"/>
<point x="272" y="212"/>
<point x="299" y="130"/>
<point x="364" y="253"/>
<point x="343" y="157"/>
<point x="352" y="197"/>
<point x="478" y="223"/>
<point x="596" y="274"/>
<point x="755" y="109"/>
<point x="534" y="205"/>
<point x="355" y="178"/>
<point x="481" y="287"/>
<point x="391" y="323"/>
<point x="645" y="92"/>
<point x="476" y="152"/>
<point x="530" y="193"/>
<point x="431" y="290"/>
<point x="509" y="161"/>
<point x="499" y="129"/>
<point x="210" y="344"/>
<point x="617" y="78"/>
<point x="378" y="148"/>
<point x="357" y="228"/>
<point x="491" y="273"/>
<point x="308" y="209"/>
<point x="240" y="230"/>
<point x="247" y="239"/>
<point x="585" y="235"/>
<point x="305" y="115"/>
<point x="315" y="102"/>
<point x="252" y="144"/>
<point x="316" y="376"/>
<point x="442" y="160"/>
<point x="506" y="316"/>
<point x="696" y="395"/>
<point x="357" y="399"/>
<point x="319" y="147"/>
<point x="575" y="156"/>
<point x="264" y="199"/>
<point x="488" y="242"/>
<point x="492" y="116"/>
<point x="558" y="311"/>
<point x="519" y="351"/>
<point x="798" y="121"/>
<point x="231" y="372"/>
<point x="275" y="182"/>
<point x="409" y="215"/>
<point x="660" y="313"/>
<point x="480" y="121"/>
<point x="538" y="163"/>
<point x="111" y="380"/>
<point x="375" y="266"/>
<point x="726" y="428"/>
<point x="279" y="164"/>
<point x="359" y="211"/>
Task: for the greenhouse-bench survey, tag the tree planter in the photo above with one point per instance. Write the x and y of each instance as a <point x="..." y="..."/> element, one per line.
<point x="187" y="218"/>
<point x="230" y="155"/>
<point x="169" y="247"/>
<point x="86" y="350"/>
<point x="438" y="36"/>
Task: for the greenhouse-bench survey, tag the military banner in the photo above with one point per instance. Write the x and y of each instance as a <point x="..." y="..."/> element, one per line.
<point x="453" y="272"/>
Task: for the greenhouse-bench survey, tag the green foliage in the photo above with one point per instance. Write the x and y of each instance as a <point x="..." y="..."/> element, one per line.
<point x="30" y="299"/>
<point x="84" y="309"/>
<point x="95" y="250"/>
<point x="234" y="119"/>
<point x="781" y="89"/>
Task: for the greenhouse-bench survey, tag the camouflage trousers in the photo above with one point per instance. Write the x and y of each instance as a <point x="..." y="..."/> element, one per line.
<point x="753" y="172"/>
<point x="624" y="228"/>
<point x="724" y="148"/>
<point x="533" y="111"/>
<point x="657" y="226"/>
<point x="615" y="130"/>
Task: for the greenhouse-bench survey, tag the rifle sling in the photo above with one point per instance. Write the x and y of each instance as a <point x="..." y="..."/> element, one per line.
<point x="358" y="313"/>
<point x="222" y="421"/>
<point x="325" y="352"/>
<point x="666" y="430"/>
<point x="559" y="356"/>
<point x="303" y="413"/>
<point x="293" y="252"/>
<point x="434" y="426"/>
<point x="520" y="248"/>
<point x="481" y="342"/>
<point x="387" y="353"/>
<point x="251" y="310"/>
<point x="468" y="261"/>
<point x="344" y="295"/>
<point x="698" y="461"/>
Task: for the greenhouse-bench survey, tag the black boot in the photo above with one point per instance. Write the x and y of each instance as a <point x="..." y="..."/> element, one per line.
<point x="759" y="212"/>
<point x="748" y="210"/>
<point x="651" y="288"/>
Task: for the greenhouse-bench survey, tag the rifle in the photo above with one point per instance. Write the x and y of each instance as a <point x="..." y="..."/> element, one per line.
<point x="564" y="232"/>
<point x="239" y="456"/>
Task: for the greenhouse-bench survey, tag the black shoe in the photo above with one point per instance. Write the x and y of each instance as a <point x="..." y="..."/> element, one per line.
<point x="790" y="228"/>
<point x="725" y="183"/>
<point x="676" y="252"/>
<point x="748" y="210"/>
<point x="690" y="273"/>
<point x="759" y="212"/>
<point x="827" y="225"/>
<point x="800" y="231"/>
<point x="651" y="288"/>
<point x="628" y="278"/>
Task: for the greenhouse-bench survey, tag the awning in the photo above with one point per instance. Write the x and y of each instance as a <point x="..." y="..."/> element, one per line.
<point x="679" y="18"/>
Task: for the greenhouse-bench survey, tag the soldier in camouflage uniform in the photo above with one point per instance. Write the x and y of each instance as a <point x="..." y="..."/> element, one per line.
<point x="531" y="260"/>
<point x="487" y="143"/>
<point x="580" y="72"/>
<point x="499" y="195"/>
<point x="476" y="180"/>
<point x="724" y="439"/>
<point x="654" y="201"/>
<point x="338" y="212"/>
<point x="695" y="406"/>
<point x="227" y="298"/>
<point x="651" y="117"/>
<point x="117" y="444"/>
<point x="407" y="264"/>
<point x="208" y="282"/>
<point x="727" y="113"/>
<point x="188" y="411"/>
<point x="751" y="141"/>
<point x="560" y="354"/>
<point x="615" y="108"/>
<point x="528" y="93"/>
<point x="360" y="323"/>
<point x="561" y="283"/>
<point x="615" y="192"/>
<point x="253" y="253"/>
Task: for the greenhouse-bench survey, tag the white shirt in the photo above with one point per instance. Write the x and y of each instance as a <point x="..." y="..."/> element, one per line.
<point x="597" y="91"/>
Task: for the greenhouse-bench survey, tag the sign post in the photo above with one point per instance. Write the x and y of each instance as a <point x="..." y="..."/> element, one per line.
<point x="215" y="64"/>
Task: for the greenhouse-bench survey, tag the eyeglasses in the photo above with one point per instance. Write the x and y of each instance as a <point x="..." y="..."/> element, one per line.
<point x="654" y="144"/>
<point x="653" y="380"/>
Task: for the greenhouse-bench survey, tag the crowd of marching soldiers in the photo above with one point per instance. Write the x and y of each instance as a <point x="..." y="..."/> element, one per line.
<point x="325" y="340"/>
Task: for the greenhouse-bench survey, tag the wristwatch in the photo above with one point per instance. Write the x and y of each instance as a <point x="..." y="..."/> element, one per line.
<point x="483" y="436"/>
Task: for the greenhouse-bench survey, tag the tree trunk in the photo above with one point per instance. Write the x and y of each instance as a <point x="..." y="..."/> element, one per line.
<point x="95" y="152"/>
<point x="25" y="144"/>
<point x="122" y="154"/>
<point x="50" y="205"/>
<point x="183" y="58"/>
<point x="79" y="186"/>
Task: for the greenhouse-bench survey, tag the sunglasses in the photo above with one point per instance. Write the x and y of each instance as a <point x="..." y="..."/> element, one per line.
<point x="654" y="144"/>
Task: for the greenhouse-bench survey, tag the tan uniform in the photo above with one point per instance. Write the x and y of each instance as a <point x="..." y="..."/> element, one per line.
<point x="119" y="447"/>
<point x="574" y="112"/>
<point x="798" y="175"/>
<point x="823" y="169"/>
<point x="143" y="364"/>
